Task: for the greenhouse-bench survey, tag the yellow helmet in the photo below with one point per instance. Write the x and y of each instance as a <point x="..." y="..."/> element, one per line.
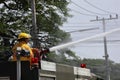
<point x="23" y="35"/>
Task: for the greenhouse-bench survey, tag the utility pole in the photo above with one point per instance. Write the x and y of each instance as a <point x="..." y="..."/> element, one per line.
<point x="34" y="32"/>
<point x="34" y="26"/>
<point x="107" y="67"/>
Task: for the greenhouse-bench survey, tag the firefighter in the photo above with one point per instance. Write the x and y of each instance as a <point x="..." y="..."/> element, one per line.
<point x="26" y="54"/>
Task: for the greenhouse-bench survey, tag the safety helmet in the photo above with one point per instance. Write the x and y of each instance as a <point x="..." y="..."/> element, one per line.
<point x="23" y="35"/>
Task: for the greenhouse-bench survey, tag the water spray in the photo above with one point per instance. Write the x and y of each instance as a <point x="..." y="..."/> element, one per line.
<point x="84" y="39"/>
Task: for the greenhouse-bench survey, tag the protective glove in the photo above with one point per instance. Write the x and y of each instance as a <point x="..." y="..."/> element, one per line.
<point x="45" y="51"/>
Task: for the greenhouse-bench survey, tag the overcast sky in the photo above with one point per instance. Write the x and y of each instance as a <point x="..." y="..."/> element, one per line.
<point x="83" y="12"/>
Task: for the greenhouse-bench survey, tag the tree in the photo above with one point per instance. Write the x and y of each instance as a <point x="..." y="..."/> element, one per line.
<point x="16" y="15"/>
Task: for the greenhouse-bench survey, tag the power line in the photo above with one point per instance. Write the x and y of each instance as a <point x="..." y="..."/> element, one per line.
<point x="83" y="13"/>
<point x="87" y="9"/>
<point x="82" y="30"/>
<point x="98" y="8"/>
<point x="92" y="24"/>
<point x="79" y="23"/>
<point x="95" y="45"/>
<point x="100" y="41"/>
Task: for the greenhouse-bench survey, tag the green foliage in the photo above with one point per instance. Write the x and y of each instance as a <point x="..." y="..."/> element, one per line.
<point x="94" y="62"/>
<point x="16" y="15"/>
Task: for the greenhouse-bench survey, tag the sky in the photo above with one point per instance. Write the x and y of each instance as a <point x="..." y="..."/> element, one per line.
<point x="83" y="12"/>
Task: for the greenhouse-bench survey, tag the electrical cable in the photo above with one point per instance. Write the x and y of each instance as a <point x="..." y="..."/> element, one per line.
<point x="83" y="13"/>
<point x="100" y="41"/>
<point x="82" y="30"/>
<point x="87" y="9"/>
<point x="95" y="45"/>
<point x="98" y="7"/>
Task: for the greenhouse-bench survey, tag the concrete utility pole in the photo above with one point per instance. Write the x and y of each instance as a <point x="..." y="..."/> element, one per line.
<point x="34" y="29"/>
<point x="34" y="26"/>
<point x="107" y="68"/>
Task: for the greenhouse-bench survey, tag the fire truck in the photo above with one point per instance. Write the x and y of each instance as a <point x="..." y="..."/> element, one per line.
<point x="48" y="71"/>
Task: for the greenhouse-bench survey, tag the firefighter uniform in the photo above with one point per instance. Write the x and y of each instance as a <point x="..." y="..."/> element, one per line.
<point x="22" y="43"/>
<point x="23" y="46"/>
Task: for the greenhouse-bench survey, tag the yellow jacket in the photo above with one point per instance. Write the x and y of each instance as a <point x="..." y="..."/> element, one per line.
<point x="24" y="46"/>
